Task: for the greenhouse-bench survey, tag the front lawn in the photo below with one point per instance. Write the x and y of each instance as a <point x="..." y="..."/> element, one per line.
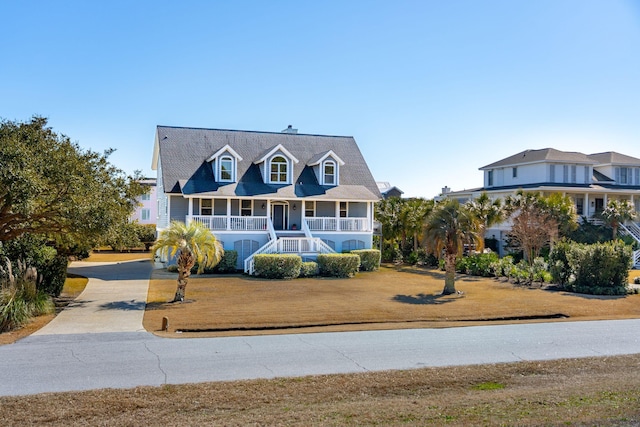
<point x="391" y="298"/>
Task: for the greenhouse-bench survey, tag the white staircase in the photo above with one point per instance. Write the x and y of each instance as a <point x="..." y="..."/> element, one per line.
<point x="289" y="245"/>
<point x="632" y="229"/>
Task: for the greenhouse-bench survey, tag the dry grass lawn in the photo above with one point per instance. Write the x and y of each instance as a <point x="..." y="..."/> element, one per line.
<point x="577" y="392"/>
<point x="388" y="299"/>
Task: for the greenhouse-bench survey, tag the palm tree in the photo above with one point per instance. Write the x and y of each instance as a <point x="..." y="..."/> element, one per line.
<point x="617" y="212"/>
<point x="448" y="228"/>
<point x="415" y="212"/>
<point x="488" y="212"/>
<point x="192" y="243"/>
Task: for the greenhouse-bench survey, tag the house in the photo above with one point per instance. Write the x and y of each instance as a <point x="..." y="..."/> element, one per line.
<point x="590" y="180"/>
<point x="266" y="192"/>
<point x="147" y="210"/>
<point x="387" y="190"/>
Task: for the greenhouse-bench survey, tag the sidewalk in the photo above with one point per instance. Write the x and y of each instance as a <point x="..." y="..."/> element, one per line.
<point x="113" y="301"/>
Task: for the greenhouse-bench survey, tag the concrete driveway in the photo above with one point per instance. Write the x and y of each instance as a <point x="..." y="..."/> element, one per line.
<point x="99" y="343"/>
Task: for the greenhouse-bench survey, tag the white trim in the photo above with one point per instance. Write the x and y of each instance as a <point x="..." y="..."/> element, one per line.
<point x="274" y="150"/>
<point x="226" y="148"/>
<point x="288" y="172"/>
<point x="323" y="174"/>
<point x="329" y="153"/>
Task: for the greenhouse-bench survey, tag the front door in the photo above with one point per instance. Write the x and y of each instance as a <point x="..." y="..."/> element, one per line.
<point x="280" y="216"/>
<point x="599" y="205"/>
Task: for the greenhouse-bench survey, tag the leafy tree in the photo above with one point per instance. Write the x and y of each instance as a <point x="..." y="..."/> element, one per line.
<point x="414" y="214"/>
<point x="192" y="243"/>
<point x="50" y="186"/>
<point x="488" y="212"/>
<point x="388" y="212"/>
<point x="448" y="228"/>
<point x="617" y="212"/>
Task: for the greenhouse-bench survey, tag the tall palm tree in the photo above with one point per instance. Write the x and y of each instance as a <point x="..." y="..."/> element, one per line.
<point x="617" y="212"/>
<point x="488" y="212"/>
<point x="448" y="228"/>
<point x="415" y="213"/>
<point x="192" y="243"/>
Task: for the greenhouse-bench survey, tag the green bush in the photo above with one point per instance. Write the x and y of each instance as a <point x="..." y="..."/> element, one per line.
<point x="277" y="266"/>
<point x="601" y="268"/>
<point x="559" y="262"/>
<point x="309" y="269"/>
<point x="369" y="259"/>
<point x="477" y="264"/>
<point x="227" y="264"/>
<point x="146" y="234"/>
<point x="338" y="265"/>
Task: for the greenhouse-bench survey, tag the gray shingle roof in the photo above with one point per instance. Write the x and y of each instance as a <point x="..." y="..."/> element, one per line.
<point x="183" y="151"/>
<point x="611" y="157"/>
<point x="542" y="155"/>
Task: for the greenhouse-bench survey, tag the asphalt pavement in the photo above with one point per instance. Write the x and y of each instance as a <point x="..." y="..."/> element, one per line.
<point x="107" y="351"/>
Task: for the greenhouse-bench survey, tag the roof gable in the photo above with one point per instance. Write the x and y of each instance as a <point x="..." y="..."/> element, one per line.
<point x="613" y="158"/>
<point x="319" y="158"/>
<point x="545" y="155"/>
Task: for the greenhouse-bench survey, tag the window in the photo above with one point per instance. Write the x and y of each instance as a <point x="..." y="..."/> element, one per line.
<point x="145" y="197"/>
<point x="573" y="173"/>
<point x="309" y="209"/>
<point x="343" y="209"/>
<point x="552" y="173"/>
<point x="226" y="169"/>
<point x="145" y="214"/>
<point x="565" y="173"/>
<point x="490" y="178"/>
<point x="514" y="172"/>
<point x="329" y="172"/>
<point x="637" y="176"/>
<point x="579" y="206"/>
<point x="586" y="175"/>
<point x="245" y="207"/>
<point x="205" y="207"/>
<point x="279" y="170"/>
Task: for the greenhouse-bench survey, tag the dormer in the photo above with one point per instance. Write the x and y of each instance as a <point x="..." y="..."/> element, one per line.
<point x="224" y="164"/>
<point x="276" y="165"/>
<point x="326" y="166"/>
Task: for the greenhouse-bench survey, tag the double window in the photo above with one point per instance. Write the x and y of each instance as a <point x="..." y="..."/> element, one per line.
<point x="279" y="170"/>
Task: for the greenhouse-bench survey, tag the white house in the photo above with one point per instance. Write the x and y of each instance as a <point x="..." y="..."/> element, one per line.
<point x="590" y="180"/>
<point x="266" y="192"/>
<point x="147" y="210"/>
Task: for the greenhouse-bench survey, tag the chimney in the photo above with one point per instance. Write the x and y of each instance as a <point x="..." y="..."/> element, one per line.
<point x="290" y="129"/>
<point x="445" y="190"/>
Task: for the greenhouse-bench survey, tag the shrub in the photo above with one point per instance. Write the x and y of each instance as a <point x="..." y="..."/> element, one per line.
<point x="559" y="263"/>
<point x="338" y="265"/>
<point x="19" y="298"/>
<point x="309" y="269"/>
<point x="369" y="259"/>
<point x="277" y="266"/>
<point x="227" y="264"/>
<point x="146" y="234"/>
<point x="601" y="268"/>
<point x="503" y="267"/>
<point x="477" y="264"/>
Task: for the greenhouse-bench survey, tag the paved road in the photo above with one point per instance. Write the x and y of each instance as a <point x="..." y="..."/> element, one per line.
<point x="79" y="361"/>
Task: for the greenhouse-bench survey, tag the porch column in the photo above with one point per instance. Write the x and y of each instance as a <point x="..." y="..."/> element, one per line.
<point x="337" y="214"/>
<point x="587" y="211"/>
<point x="369" y="216"/>
<point x="190" y="201"/>
<point x="228" y="214"/>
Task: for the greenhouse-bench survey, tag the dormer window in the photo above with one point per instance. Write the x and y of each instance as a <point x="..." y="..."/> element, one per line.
<point x="329" y="175"/>
<point x="224" y="164"/>
<point x="227" y="169"/>
<point x="326" y="166"/>
<point x="279" y="168"/>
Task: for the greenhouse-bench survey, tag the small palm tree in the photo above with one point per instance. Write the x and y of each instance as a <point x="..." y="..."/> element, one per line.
<point x="617" y="212"/>
<point x="192" y="243"/>
<point x="448" y="228"/>
<point x="488" y="212"/>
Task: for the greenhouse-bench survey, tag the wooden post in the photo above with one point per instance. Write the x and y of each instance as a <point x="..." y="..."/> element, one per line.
<point x="165" y="324"/>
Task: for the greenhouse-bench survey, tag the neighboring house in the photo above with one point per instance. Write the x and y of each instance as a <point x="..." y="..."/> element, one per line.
<point x="590" y="180"/>
<point x="387" y="190"/>
<point x="266" y="192"/>
<point x="147" y="210"/>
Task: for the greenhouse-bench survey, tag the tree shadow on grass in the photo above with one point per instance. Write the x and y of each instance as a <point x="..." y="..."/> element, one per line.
<point x="423" y="299"/>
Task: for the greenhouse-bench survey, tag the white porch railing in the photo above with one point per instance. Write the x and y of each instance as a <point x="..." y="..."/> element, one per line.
<point x="337" y="224"/>
<point x="235" y="223"/>
<point x="289" y="245"/>
<point x="636" y="259"/>
<point x="632" y="229"/>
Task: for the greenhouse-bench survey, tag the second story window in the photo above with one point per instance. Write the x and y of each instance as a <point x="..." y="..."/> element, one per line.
<point x="226" y="169"/>
<point x="279" y="172"/>
<point x="329" y="172"/>
<point x="514" y="173"/>
<point x="489" y="178"/>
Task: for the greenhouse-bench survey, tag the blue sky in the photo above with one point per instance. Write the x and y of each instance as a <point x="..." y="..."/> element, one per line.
<point x="431" y="90"/>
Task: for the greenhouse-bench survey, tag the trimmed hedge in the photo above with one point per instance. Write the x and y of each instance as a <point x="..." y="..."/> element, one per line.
<point x="277" y="266"/>
<point x="227" y="264"/>
<point x="369" y="259"/>
<point x="338" y="265"/>
<point x="309" y="269"/>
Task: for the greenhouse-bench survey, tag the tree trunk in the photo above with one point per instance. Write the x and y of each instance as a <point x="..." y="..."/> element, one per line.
<point x="185" y="262"/>
<point x="450" y="274"/>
